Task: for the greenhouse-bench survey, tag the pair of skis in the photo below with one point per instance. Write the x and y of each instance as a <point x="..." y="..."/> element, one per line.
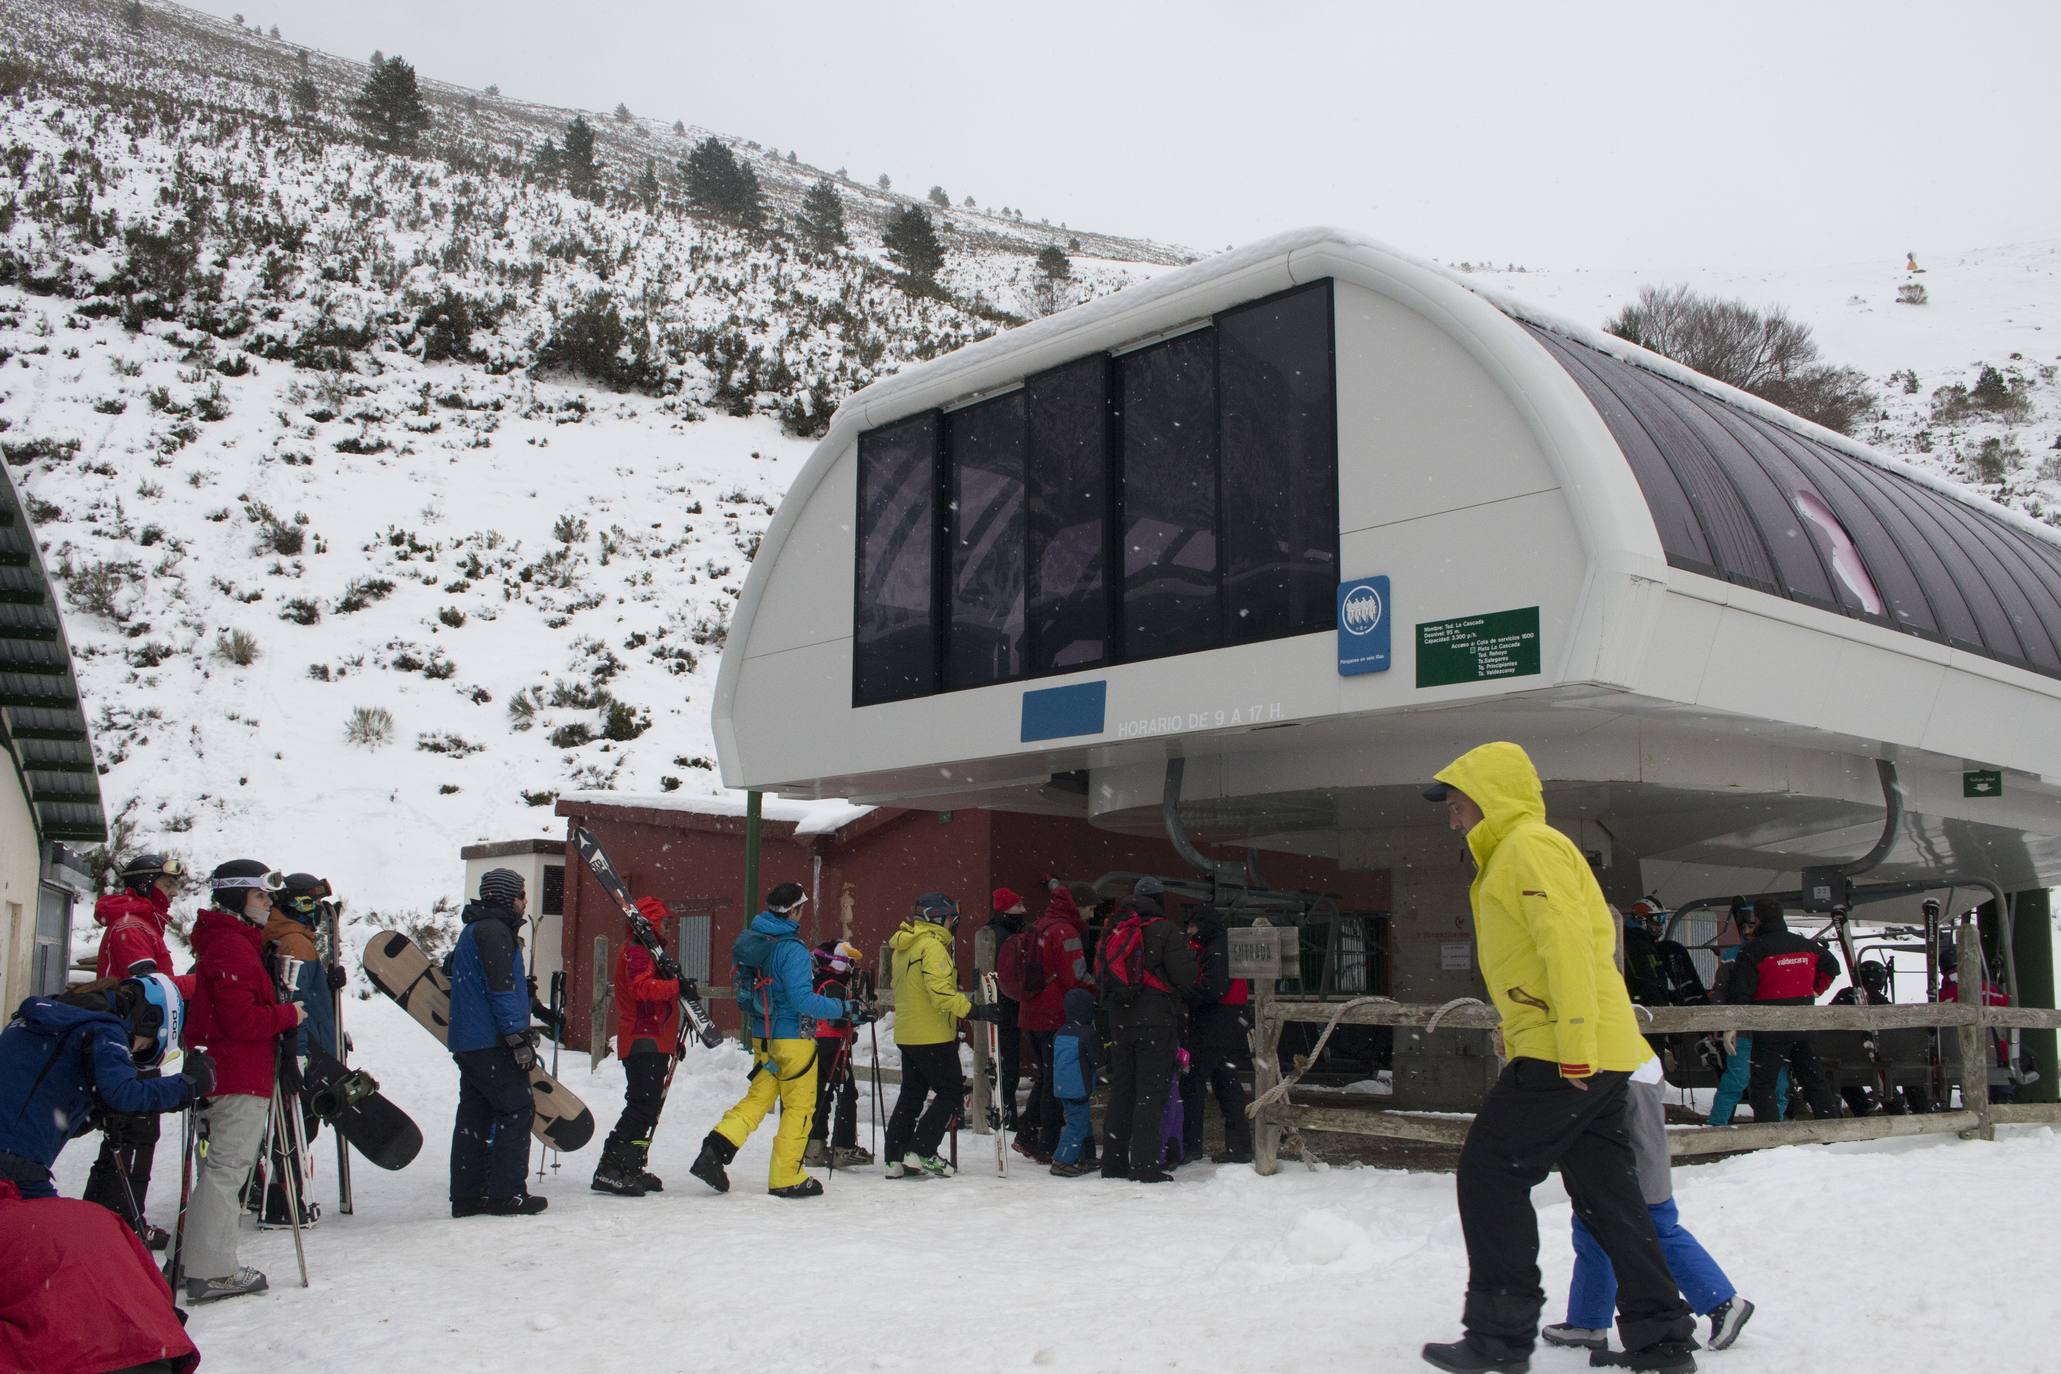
<point x="998" y="1118"/>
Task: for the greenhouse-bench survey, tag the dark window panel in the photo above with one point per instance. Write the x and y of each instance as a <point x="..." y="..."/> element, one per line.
<point x="553" y="901"/>
<point x="1278" y="413"/>
<point x="984" y="543"/>
<point x="1068" y="520"/>
<point x="894" y="649"/>
<point x="1166" y="398"/>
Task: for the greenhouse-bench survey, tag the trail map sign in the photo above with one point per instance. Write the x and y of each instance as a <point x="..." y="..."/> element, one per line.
<point x="1478" y="648"/>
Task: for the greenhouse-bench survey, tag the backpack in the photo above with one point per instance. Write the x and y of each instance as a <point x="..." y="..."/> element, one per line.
<point x="751" y="963"/>
<point x="1018" y="968"/>
<point x="1123" y="961"/>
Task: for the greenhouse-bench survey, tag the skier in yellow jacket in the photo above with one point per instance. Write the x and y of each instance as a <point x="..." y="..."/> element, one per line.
<point x="1546" y="944"/>
<point x="928" y="1010"/>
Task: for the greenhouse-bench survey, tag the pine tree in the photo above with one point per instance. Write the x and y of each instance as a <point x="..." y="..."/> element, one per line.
<point x="721" y="186"/>
<point x="885" y="183"/>
<point x="304" y="95"/>
<point x="647" y="186"/>
<point x="912" y="245"/>
<point x="938" y="198"/>
<point x="133" y="15"/>
<point x="679" y="126"/>
<point x="622" y="112"/>
<point x="577" y="158"/>
<point x="275" y="30"/>
<point x="822" y="218"/>
<point x="548" y="163"/>
<point x="390" y="107"/>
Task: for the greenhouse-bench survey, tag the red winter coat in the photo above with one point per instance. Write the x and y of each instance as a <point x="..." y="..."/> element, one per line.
<point x="79" y="1293"/>
<point x="1058" y="941"/>
<point x="238" y="1017"/>
<point x="133" y="929"/>
<point x="647" y="1006"/>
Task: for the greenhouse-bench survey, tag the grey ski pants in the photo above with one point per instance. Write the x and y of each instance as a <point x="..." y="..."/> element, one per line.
<point x="232" y="1126"/>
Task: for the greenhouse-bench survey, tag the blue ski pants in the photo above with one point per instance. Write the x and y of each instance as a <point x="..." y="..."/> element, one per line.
<point x="1073" y="1138"/>
<point x="1592" y="1296"/>
<point x="1732" y="1087"/>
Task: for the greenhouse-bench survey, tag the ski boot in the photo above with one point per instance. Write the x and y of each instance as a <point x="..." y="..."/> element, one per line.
<point x="808" y="1187"/>
<point x="708" y="1165"/>
<point x="897" y="1169"/>
<point x="245" y="1280"/>
<point x="930" y="1166"/>
<point x="520" y="1205"/>
<point x="850" y="1156"/>
<point x="1726" y="1321"/>
<point x="1661" y="1357"/>
<point x="1030" y="1152"/>
<point x="652" y="1182"/>
<point x="816" y="1155"/>
<point x="612" y="1177"/>
<point x="1575" y="1337"/>
<point x="1150" y="1175"/>
<point x="1464" y="1357"/>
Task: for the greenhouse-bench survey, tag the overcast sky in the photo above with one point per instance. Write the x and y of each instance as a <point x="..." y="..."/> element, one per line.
<point x="1642" y="135"/>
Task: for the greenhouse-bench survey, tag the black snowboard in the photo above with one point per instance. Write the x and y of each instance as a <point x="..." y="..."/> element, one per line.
<point x="350" y="1101"/>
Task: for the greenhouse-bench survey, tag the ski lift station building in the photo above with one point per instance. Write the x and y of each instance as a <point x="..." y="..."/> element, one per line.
<point x="1243" y="554"/>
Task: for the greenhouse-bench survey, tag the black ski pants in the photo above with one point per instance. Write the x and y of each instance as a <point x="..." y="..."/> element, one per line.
<point x="928" y="1072"/>
<point x="1214" y="1071"/>
<point x="1141" y="1073"/>
<point x="1009" y="1068"/>
<point x="644" y="1097"/>
<point x="836" y="1087"/>
<point x="1771" y="1050"/>
<point x="127" y="1144"/>
<point x="490" y="1140"/>
<point x="1039" y="1126"/>
<point x="1531" y="1120"/>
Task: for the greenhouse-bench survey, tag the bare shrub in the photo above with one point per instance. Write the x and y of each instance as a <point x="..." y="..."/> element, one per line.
<point x="370" y="726"/>
<point x="239" y="647"/>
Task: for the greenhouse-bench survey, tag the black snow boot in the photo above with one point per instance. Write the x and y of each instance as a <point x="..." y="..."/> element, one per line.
<point x="520" y="1205"/>
<point x="808" y="1187"/>
<point x="1661" y="1357"/>
<point x="708" y="1165"/>
<point x="1465" y="1357"/>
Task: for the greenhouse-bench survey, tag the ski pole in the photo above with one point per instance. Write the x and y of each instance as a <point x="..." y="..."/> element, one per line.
<point x="557" y="1040"/>
<point x="336" y="1001"/>
<point x="189" y="1141"/>
<point x="286" y="1180"/>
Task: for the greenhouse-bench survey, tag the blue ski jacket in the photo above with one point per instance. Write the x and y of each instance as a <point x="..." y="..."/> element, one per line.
<point x="1073" y="1049"/>
<point x="56" y="1061"/>
<point x="774" y="989"/>
<point x="489" y="992"/>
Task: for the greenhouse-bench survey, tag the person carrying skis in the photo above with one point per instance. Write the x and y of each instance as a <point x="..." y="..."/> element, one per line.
<point x="133" y="922"/>
<point x="92" y="1049"/>
<point x="1547" y="947"/>
<point x="1147" y="969"/>
<point x="647" y="1040"/>
<point x="1218" y="1041"/>
<point x="1780" y="968"/>
<point x="1006" y="917"/>
<point x="837" y="1088"/>
<point x="1074" y="1052"/>
<point x="295" y="963"/>
<point x="928" y="1010"/>
<point x="774" y="994"/>
<point x="1058" y="953"/>
<point x="495" y="1049"/>
<point x="1592" y="1294"/>
<point x="238" y="1018"/>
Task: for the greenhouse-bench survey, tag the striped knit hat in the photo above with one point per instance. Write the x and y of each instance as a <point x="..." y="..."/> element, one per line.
<point x="501" y="886"/>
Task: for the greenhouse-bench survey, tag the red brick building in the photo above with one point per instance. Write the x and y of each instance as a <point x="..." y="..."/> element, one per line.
<point x="861" y="869"/>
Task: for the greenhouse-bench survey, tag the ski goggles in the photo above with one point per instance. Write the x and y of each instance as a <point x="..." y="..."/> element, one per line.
<point x="263" y="882"/>
<point x="308" y="902"/>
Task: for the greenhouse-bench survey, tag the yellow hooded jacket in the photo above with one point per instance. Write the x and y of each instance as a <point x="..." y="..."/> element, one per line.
<point x="1544" y="931"/>
<point x="928" y="1003"/>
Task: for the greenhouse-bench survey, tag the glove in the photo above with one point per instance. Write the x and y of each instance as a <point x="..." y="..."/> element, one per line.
<point x="860" y="1013"/>
<point x="199" y="1073"/>
<point x="1731" y="1039"/>
<point x="336" y="977"/>
<point x="986" y="1011"/>
<point x="519" y="1045"/>
<point x="668" y="967"/>
<point x="652" y="909"/>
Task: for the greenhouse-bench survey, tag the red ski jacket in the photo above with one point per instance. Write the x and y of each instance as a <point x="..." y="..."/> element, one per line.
<point x="237" y="1017"/>
<point x="1059" y="943"/>
<point x="133" y="929"/>
<point x="1781" y="967"/>
<point x="647" y="1006"/>
<point x="79" y="1293"/>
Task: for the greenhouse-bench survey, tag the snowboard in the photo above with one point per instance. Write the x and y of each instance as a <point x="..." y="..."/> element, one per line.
<point x="640" y="929"/>
<point x="350" y="1101"/>
<point x="398" y="967"/>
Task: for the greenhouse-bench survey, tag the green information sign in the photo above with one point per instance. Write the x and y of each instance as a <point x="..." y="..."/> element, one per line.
<point x="1982" y="782"/>
<point x="1478" y="648"/>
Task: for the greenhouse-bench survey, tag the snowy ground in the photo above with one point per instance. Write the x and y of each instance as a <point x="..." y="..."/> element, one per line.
<point x="1859" y="1256"/>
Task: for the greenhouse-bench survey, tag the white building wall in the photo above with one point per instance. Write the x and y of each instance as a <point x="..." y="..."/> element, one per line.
<point x="21" y="874"/>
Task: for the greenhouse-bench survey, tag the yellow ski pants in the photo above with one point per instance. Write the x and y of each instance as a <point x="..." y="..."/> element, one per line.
<point x="784" y="1070"/>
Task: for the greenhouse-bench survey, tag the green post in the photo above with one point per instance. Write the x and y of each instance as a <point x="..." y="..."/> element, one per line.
<point x="2033" y="945"/>
<point x="751" y="852"/>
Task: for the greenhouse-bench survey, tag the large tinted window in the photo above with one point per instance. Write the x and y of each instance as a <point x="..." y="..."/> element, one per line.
<point x="1168" y="419"/>
<point x="1068" y="411"/>
<point x="1278" y="403"/>
<point x="984" y="543"/>
<point x="894" y="651"/>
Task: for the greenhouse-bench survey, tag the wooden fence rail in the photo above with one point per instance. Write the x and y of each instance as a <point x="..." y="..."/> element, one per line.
<point x="1976" y="1119"/>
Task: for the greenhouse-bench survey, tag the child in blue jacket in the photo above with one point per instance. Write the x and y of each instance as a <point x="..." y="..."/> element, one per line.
<point x="1073" y="1081"/>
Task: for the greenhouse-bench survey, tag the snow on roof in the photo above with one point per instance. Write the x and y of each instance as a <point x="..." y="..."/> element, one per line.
<point x="807" y="817"/>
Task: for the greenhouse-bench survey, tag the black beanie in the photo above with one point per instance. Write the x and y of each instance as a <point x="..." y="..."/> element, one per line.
<point x="501" y="886"/>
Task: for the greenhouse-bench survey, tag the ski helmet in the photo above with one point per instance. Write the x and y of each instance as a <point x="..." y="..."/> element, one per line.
<point x="144" y="869"/>
<point x="233" y="879"/>
<point x="154" y="1011"/>
<point x="303" y="893"/>
<point x="937" y="909"/>
<point x="785" y="898"/>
